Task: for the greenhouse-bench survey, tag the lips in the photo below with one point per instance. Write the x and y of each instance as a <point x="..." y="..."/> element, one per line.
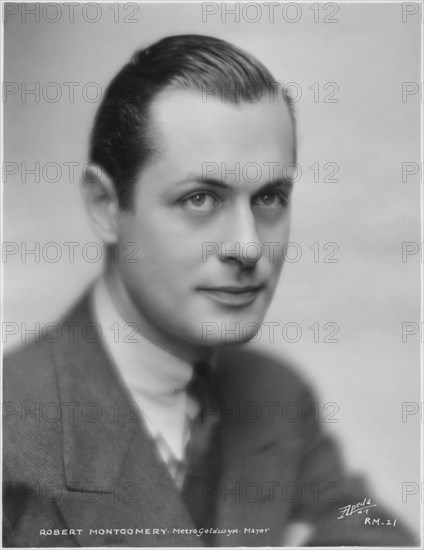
<point x="233" y="295"/>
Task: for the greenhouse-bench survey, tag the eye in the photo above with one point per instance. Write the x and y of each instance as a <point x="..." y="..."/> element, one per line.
<point x="200" y="202"/>
<point x="271" y="200"/>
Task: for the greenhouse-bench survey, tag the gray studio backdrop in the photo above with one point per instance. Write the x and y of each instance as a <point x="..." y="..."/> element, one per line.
<point x="347" y="309"/>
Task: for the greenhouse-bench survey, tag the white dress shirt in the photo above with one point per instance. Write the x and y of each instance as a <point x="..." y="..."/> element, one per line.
<point x="156" y="379"/>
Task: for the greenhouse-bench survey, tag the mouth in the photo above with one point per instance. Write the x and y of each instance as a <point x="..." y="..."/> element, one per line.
<point x="233" y="295"/>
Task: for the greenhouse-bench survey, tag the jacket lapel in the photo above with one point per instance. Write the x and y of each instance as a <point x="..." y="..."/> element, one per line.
<point x="114" y="478"/>
<point x="251" y="490"/>
<point x="258" y="455"/>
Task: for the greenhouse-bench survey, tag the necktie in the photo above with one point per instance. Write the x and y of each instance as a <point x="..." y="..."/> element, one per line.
<point x="202" y="451"/>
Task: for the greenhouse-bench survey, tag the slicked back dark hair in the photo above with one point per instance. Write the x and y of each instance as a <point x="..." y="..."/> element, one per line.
<point x="120" y="142"/>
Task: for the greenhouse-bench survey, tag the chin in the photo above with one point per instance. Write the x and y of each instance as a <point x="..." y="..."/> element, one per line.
<point x="227" y="331"/>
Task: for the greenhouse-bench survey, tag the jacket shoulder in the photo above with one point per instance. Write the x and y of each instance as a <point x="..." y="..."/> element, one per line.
<point x="250" y="369"/>
<point x="28" y="372"/>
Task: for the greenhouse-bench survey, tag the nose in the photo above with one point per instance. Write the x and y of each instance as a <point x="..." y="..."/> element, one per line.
<point x="241" y="244"/>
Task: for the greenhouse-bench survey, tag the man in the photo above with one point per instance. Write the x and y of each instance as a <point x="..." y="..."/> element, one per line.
<point x="145" y="440"/>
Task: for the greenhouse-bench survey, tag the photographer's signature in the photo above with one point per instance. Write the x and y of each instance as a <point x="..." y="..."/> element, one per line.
<point x="358" y="508"/>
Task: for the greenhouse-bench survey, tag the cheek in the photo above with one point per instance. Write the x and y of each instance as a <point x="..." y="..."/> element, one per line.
<point x="162" y="230"/>
<point x="163" y="260"/>
<point x="276" y="239"/>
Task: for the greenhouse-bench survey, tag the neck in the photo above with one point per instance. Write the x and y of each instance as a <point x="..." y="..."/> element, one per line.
<point x="128" y="311"/>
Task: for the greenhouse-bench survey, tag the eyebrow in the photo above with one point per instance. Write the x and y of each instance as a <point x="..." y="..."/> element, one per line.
<point x="214" y="182"/>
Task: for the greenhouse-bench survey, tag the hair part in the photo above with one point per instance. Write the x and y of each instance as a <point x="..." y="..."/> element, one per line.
<point x="121" y="140"/>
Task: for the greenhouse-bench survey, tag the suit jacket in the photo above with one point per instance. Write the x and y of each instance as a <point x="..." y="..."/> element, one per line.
<point x="81" y="470"/>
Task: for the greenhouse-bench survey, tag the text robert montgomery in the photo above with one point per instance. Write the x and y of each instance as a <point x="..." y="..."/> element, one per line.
<point x="150" y="531"/>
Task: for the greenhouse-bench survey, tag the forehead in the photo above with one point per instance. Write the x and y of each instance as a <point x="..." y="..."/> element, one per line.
<point x="189" y="130"/>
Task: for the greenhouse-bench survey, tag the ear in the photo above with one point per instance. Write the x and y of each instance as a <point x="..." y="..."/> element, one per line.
<point x="101" y="202"/>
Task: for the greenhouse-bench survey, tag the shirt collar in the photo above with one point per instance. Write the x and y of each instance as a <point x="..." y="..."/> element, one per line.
<point x="155" y="378"/>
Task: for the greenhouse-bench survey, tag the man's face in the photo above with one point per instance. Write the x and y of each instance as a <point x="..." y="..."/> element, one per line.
<point x="204" y="208"/>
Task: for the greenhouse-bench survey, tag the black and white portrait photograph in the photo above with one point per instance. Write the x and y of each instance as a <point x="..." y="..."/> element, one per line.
<point x="212" y="274"/>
